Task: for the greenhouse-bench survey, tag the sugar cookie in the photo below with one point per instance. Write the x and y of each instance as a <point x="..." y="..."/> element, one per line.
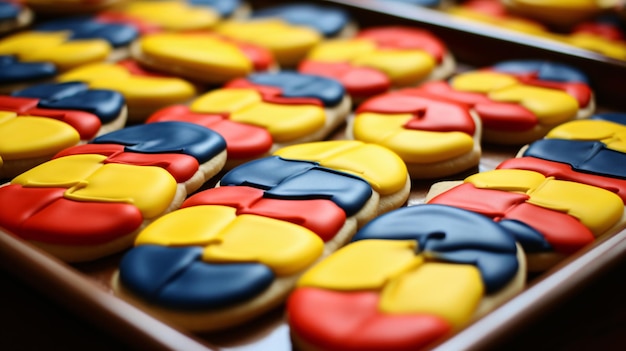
<point x="408" y="278"/>
<point x="434" y="136"/>
<point x="91" y="200"/>
<point x="520" y="101"/>
<point x="560" y="13"/>
<point x="238" y="248"/>
<point x="381" y="58"/>
<point x="266" y="111"/>
<point x="550" y="218"/>
<point x="144" y="91"/>
<point x="13" y="16"/>
<point x="201" y="57"/>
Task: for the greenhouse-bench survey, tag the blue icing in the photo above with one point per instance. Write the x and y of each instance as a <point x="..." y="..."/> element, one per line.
<point x="146" y="269"/>
<point x="294" y="179"/>
<point x="294" y="84"/>
<point x="224" y="7"/>
<point x="168" y="137"/>
<point x="583" y="156"/>
<point x="328" y="21"/>
<point x="206" y="285"/>
<point x="530" y="239"/>
<point x="453" y="234"/>
<point x="106" y="104"/>
<point x="88" y="28"/>
<point x="545" y="70"/>
<point x="615" y="117"/>
<point x="176" y="277"/>
<point x="13" y="71"/>
<point x="8" y="11"/>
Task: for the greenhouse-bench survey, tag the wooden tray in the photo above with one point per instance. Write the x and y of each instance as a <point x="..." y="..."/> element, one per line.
<point x="85" y="289"/>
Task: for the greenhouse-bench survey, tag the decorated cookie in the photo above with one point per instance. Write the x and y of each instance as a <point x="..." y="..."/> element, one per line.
<point x="434" y="136"/>
<point x="68" y="7"/>
<point x="14" y="15"/>
<point x="551" y="218"/>
<point x="519" y="101"/>
<point x="408" y="278"/>
<point x="40" y="121"/>
<point x="201" y="57"/>
<point x="560" y="13"/>
<point x="494" y="12"/>
<point x="144" y="91"/>
<point x="266" y="111"/>
<point x="91" y="200"/>
<point x="381" y="58"/>
<point x="233" y="252"/>
<point x="589" y="152"/>
<point x="183" y="15"/>
<point x="290" y="31"/>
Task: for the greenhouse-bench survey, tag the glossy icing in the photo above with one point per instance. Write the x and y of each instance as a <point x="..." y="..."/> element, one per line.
<point x="420" y="128"/>
<point x="106" y="104"/>
<point x="545" y="204"/>
<point x="288" y="43"/>
<point x="296" y="179"/>
<point x="173" y="15"/>
<point x="327" y="20"/>
<point x="68" y="44"/>
<point x="141" y="89"/>
<point x="390" y="275"/>
<point x="404" y="55"/>
<point x="16" y="71"/>
<point x="380" y="167"/>
<point x="116" y="182"/>
<point x="203" y="56"/>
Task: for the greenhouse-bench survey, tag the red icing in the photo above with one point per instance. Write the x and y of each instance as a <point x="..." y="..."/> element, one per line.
<point x="564" y="171"/>
<point x="182" y="167"/>
<point x="564" y="233"/>
<point x="42" y="214"/>
<point x="397" y="37"/>
<point x="320" y="216"/>
<point x="359" y="82"/>
<point x="494" y="115"/>
<point x="86" y="124"/>
<point x="605" y="30"/>
<point x="430" y="113"/>
<point x="242" y="140"/>
<point x="579" y="91"/>
<point x="134" y="68"/>
<point x="273" y="94"/>
<point x="347" y="321"/>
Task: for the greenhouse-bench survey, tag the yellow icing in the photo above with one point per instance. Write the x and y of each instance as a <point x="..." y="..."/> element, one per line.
<point x="225" y="100"/>
<point x="363" y="265"/>
<point x="288" y="43"/>
<point x="451" y="291"/>
<point x="610" y="133"/>
<point x="53" y="47"/>
<point x="284" y="122"/>
<point x="31" y="136"/>
<point x="196" y="225"/>
<point x="149" y="188"/>
<point x="415" y="146"/>
<point x="205" y="54"/>
<point x="598" y="209"/>
<point x="89" y="179"/>
<point x="63" y="172"/>
<point x="551" y="106"/>
<point x="403" y="67"/>
<point x="598" y="44"/>
<point x="341" y="50"/>
<point x="173" y="15"/>
<point x="137" y="90"/>
<point x="379" y="166"/>
<point x="507" y="179"/>
<point x="564" y="4"/>
<point x="285" y="247"/>
<point x="482" y="81"/>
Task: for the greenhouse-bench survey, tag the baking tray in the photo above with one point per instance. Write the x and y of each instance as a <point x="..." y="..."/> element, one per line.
<point x="84" y="289"/>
